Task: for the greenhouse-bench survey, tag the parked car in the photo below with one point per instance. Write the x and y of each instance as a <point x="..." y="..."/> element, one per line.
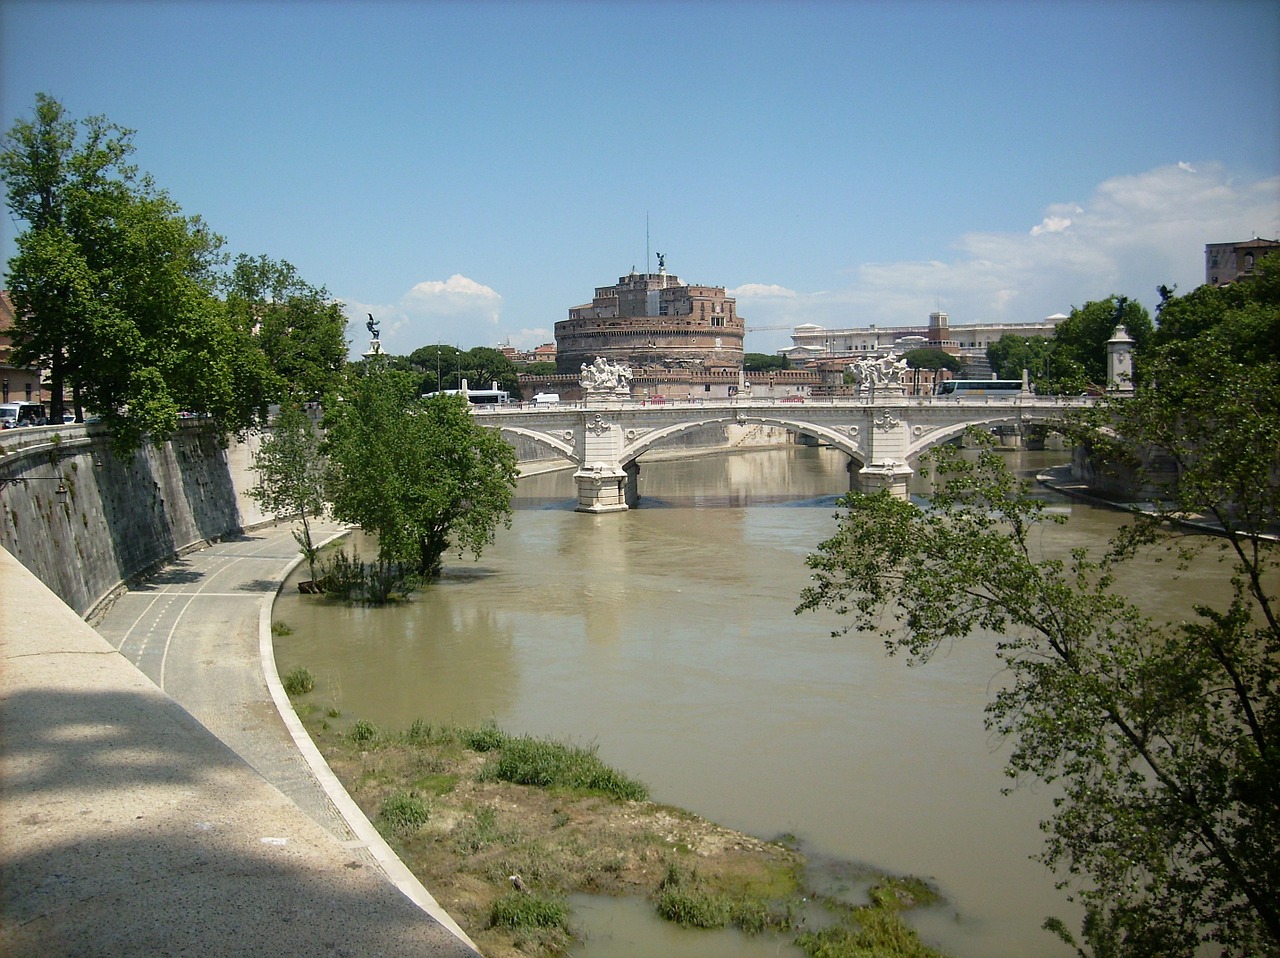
<point x="14" y="414"/>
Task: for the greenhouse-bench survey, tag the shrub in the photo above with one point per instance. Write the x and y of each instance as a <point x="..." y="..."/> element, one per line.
<point x="487" y="738"/>
<point x="525" y="760"/>
<point x="300" y="681"/>
<point x="693" y="909"/>
<point x="351" y="579"/>
<point x="528" y="910"/>
<point x="362" y="732"/>
<point x="405" y="811"/>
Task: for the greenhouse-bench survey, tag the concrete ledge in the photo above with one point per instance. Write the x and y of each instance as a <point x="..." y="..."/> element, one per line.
<point x="396" y="870"/>
<point x="129" y="829"/>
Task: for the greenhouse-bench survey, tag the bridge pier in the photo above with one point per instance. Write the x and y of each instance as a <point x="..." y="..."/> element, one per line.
<point x="871" y="478"/>
<point x="605" y="487"/>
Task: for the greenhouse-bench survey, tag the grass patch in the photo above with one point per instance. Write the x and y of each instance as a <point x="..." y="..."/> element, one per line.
<point x="525" y="760"/>
<point x="405" y="812"/>
<point x="299" y="681"/>
<point x="281" y="628"/>
<point x="363" y="733"/>
<point x="527" y="910"/>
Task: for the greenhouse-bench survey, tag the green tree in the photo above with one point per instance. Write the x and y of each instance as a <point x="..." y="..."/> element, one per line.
<point x="762" y="362"/>
<point x="542" y="367"/>
<point x="113" y="285"/>
<point x="54" y="179"/>
<point x="439" y="367"/>
<point x="484" y="365"/>
<point x="291" y="475"/>
<point x="423" y="475"/>
<point x="1164" y="736"/>
<point x="300" y="328"/>
<point x="1052" y="370"/>
<point x="927" y="357"/>
<point x="1082" y="337"/>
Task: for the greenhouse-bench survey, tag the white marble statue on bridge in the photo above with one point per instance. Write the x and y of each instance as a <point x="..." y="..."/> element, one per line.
<point x="886" y="374"/>
<point x="606" y="378"/>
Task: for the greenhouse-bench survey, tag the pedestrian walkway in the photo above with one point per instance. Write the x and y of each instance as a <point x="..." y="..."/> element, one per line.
<point x="166" y="808"/>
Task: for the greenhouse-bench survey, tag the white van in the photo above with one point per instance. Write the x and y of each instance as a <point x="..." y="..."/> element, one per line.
<point x="546" y="399"/>
<point x="14" y="414"/>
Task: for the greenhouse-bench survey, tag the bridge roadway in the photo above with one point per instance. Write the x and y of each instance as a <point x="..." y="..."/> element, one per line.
<point x="605" y="438"/>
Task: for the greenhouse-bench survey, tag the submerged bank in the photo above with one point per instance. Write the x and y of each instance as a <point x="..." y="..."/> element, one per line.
<point x="504" y="829"/>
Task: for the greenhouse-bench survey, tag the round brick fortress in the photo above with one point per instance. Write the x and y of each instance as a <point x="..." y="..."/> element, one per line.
<point x="652" y="319"/>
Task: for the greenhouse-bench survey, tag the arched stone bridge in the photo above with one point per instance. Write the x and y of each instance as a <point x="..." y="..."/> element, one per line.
<point x="606" y="438"/>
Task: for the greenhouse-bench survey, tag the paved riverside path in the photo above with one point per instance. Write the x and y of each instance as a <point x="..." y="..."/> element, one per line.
<point x="135" y="822"/>
<point x="193" y="629"/>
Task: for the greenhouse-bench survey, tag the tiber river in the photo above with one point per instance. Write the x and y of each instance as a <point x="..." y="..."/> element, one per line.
<point x="666" y="636"/>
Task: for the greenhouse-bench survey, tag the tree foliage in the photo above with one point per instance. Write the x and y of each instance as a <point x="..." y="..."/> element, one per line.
<point x="113" y="285"/>
<point x="930" y="357"/>
<point x="1082" y="337"/>
<point x="421" y="474"/>
<point x="299" y="327"/>
<point x="445" y="367"/>
<point x="763" y="362"/>
<point x="291" y="475"/>
<point x="1164" y="736"/>
<point x="1052" y="371"/>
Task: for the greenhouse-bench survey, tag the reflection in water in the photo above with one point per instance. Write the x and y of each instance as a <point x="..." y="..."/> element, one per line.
<point x="666" y="636"/>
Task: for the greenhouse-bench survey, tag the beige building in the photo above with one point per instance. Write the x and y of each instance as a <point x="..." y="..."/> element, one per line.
<point x="17" y="383"/>
<point x="652" y="320"/>
<point x="1231" y="262"/>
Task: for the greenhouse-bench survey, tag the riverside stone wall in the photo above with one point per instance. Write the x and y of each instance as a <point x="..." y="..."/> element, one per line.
<point x="122" y="516"/>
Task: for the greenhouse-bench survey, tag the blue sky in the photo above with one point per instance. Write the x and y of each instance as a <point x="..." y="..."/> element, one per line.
<point x="468" y="172"/>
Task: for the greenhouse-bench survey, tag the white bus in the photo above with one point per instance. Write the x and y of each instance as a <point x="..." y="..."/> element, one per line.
<point x="477" y="397"/>
<point x="960" y="388"/>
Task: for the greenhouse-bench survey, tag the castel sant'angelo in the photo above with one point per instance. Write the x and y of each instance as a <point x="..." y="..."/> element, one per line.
<point x="653" y="320"/>
<point x="679" y="341"/>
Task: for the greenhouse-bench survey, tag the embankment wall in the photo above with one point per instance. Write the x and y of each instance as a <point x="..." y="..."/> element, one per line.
<point x="122" y="516"/>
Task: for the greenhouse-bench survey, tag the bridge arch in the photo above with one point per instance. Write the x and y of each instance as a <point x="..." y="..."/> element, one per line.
<point x="563" y="447"/>
<point x="655" y="437"/>
<point x="992" y="417"/>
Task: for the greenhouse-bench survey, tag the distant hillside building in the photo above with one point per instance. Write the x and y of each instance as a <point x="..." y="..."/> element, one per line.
<point x="1231" y="262"/>
<point x="968" y="341"/>
<point x="17" y="383"/>
<point x="652" y="320"/>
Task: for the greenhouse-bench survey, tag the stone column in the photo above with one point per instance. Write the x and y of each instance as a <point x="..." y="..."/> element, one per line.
<point x="601" y="480"/>
<point x="886" y="466"/>
<point x="1120" y="362"/>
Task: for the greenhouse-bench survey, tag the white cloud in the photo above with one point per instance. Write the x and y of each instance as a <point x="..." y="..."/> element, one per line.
<point x="1051" y="224"/>
<point x="1131" y="235"/>
<point x="762" y="291"/>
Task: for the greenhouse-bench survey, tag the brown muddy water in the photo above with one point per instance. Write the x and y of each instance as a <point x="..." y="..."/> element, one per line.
<point x="666" y="637"/>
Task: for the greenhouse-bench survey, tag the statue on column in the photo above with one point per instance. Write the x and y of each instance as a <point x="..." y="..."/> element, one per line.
<point x="375" y="345"/>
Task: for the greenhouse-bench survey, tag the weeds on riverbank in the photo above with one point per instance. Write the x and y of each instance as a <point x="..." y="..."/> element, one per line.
<point x="503" y="828"/>
<point x="350" y="579"/>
